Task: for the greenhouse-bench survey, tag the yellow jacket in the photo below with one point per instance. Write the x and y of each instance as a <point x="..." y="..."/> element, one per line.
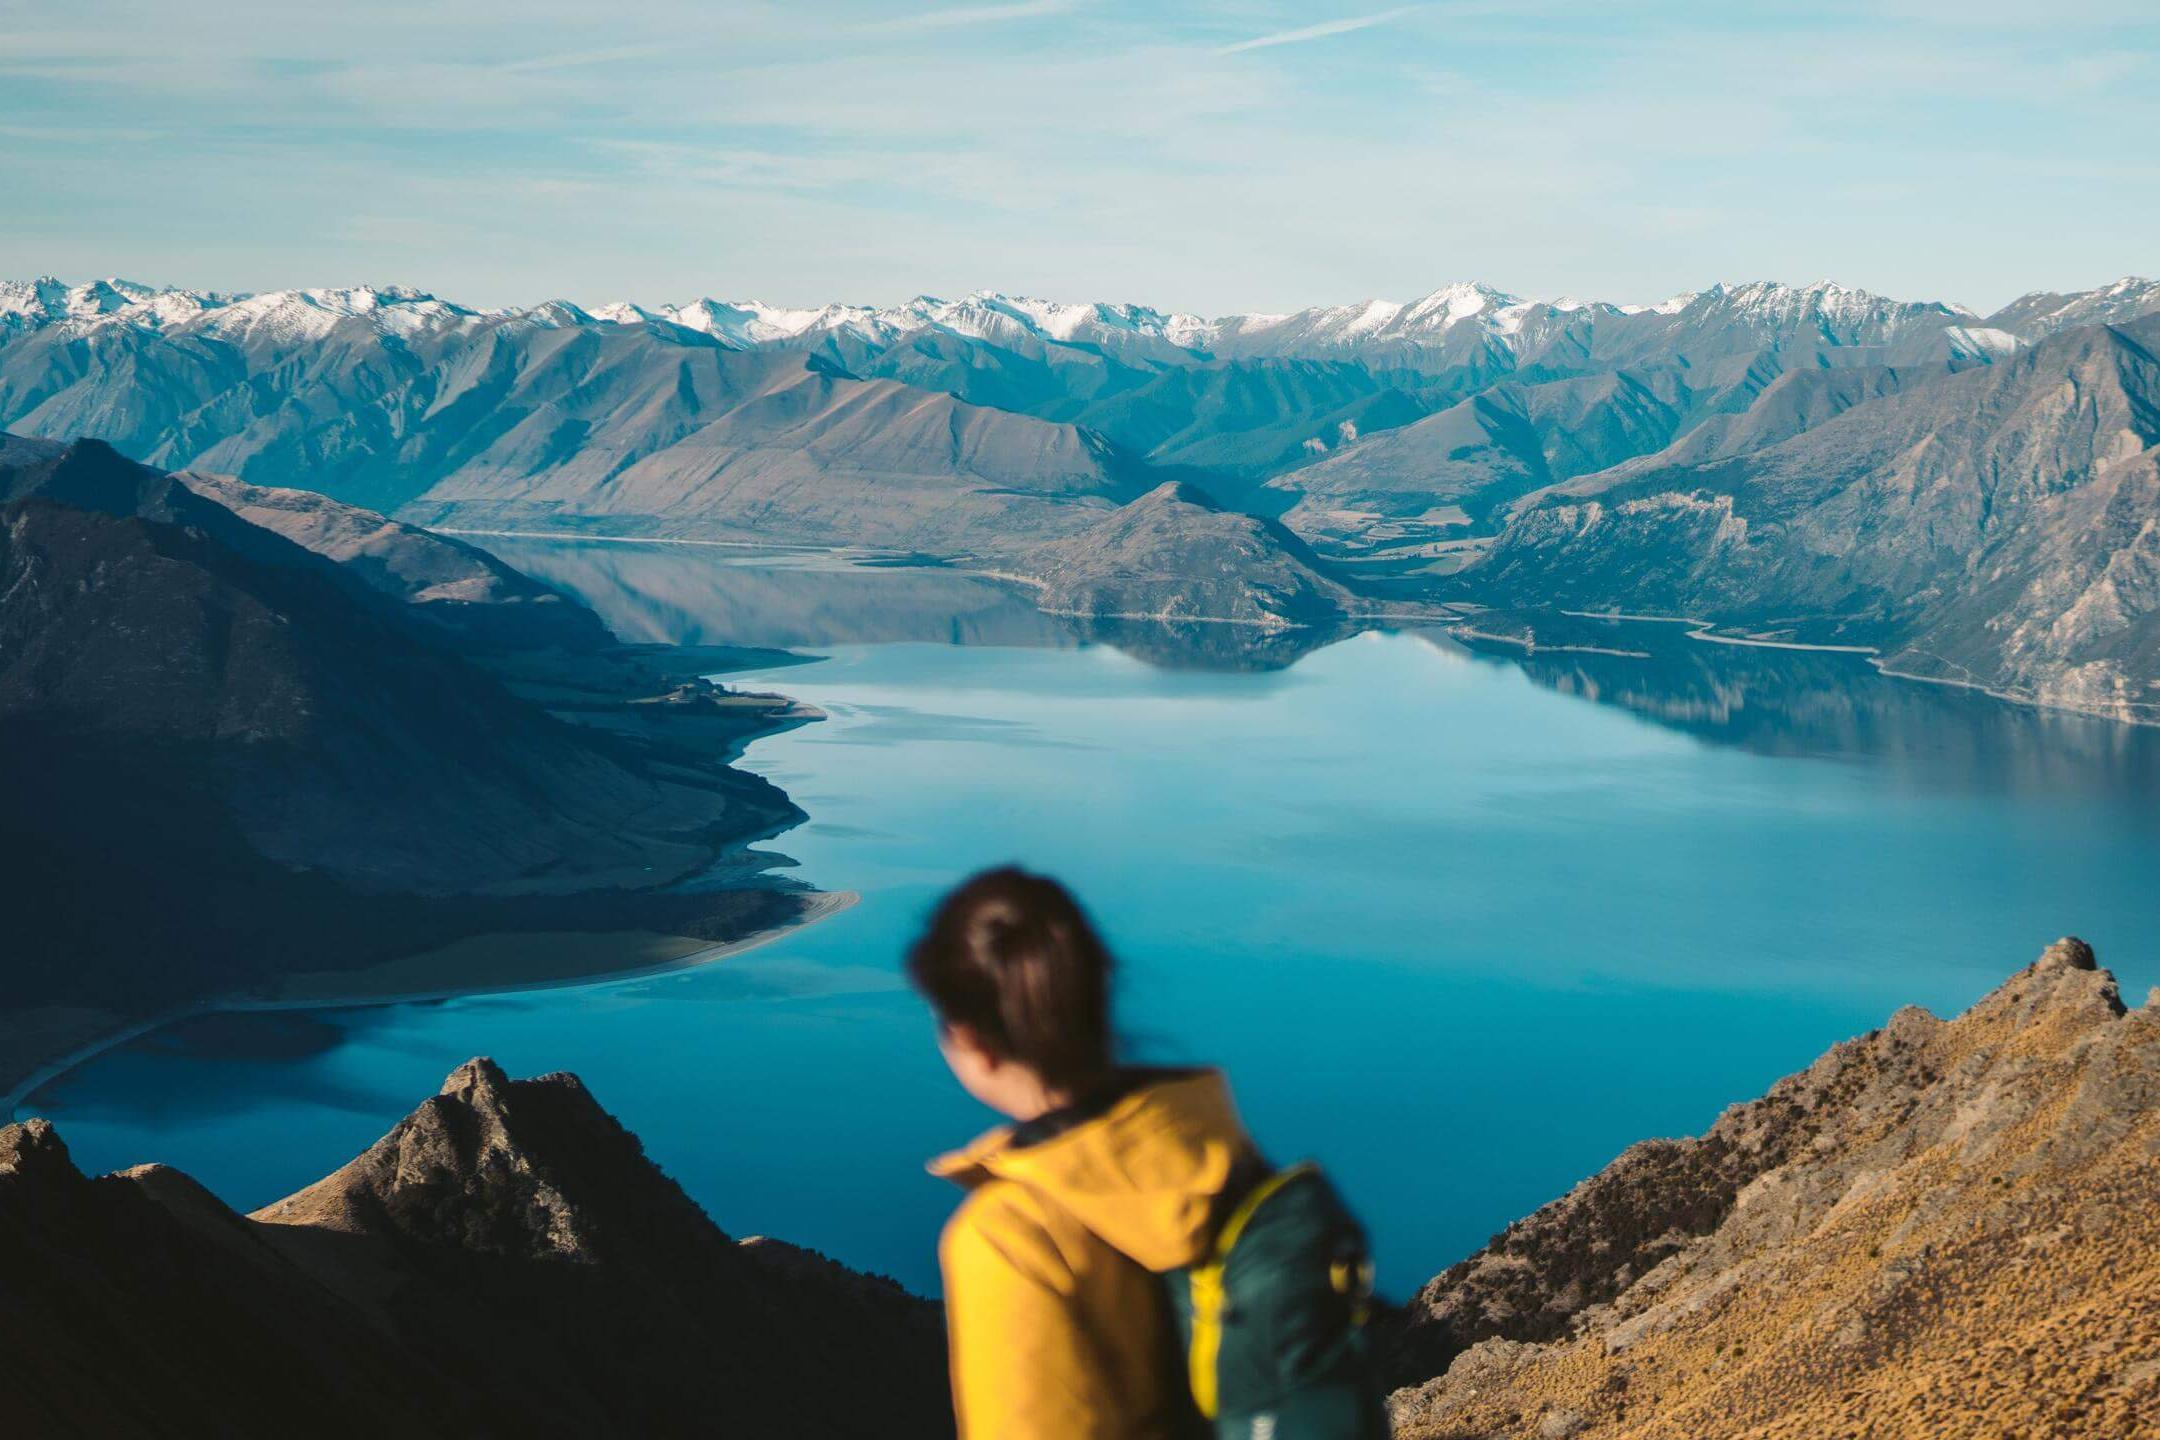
<point x="1059" y="1328"/>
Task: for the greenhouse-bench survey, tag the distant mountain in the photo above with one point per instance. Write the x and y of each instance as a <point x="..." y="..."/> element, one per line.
<point x="765" y="448"/>
<point x="1455" y="472"/>
<point x="984" y="315"/>
<point x="839" y="424"/>
<point x="1405" y="442"/>
<point x="2043" y="312"/>
<point x="1453" y="317"/>
<point x="1448" y="472"/>
<point x="542" y="417"/>
<point x="1943" y="1228"/>
<point x="1176" y="556"/>
<point x="1260" y="395"/>
<point x="506" y="1261"/>
<point x="1999" y="528"/>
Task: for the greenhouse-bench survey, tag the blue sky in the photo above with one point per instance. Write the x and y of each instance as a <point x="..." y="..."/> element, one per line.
<point x="1208" y="157"/>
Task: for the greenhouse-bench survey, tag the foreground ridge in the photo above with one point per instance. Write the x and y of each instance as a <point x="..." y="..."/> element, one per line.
<point x="505" y="1261"/>
<point x="1942" y="1228"/>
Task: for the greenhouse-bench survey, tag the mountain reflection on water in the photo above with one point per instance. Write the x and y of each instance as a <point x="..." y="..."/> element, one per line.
<point x="1786" y="703"/>
<point x="673" y="593"/>
<point x="1812" y="704"/>
<point x="688" y="594"/>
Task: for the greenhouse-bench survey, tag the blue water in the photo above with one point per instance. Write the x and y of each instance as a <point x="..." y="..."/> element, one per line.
<point x="1460" y="927"/>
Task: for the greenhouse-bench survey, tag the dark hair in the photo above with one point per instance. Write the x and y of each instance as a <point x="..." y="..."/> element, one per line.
<point x="1012" y="956"/>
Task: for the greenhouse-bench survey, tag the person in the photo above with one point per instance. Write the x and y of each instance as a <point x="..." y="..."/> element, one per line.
<point x="1078" y="1292"/>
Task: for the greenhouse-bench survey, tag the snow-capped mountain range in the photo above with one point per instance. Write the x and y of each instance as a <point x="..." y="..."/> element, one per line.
<point x="1834" y="313"/>
<point x="1991" y="481"/>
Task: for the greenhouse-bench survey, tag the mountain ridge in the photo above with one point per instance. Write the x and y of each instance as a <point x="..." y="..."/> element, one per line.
<point x="1943" y="1227"/>
<point x="506" y="1260"/>
<point x="749" y="324"/>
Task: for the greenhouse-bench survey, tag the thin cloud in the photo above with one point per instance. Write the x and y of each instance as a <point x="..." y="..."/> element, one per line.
<point x="585" y="57"/>
<point x="1317" y="32"/>
<point x="970" y="15"/>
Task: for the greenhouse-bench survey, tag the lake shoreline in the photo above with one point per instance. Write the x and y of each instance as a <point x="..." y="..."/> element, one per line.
<point x="1707" y="631"/>
<point x="478" y="965"/>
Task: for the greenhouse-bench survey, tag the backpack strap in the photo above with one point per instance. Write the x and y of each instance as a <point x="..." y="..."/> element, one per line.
<point x="1208" y="1294"/>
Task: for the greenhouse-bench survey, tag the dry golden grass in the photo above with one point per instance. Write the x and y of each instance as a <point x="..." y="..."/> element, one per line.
<point x="1970" y="1248"/>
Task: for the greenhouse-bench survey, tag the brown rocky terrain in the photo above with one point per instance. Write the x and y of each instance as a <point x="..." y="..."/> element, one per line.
<point x="506" y="1261"/>
<point x="1942" y="1229"/>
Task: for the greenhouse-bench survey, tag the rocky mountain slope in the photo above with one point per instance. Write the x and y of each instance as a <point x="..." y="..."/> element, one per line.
<point x="1942" y="1228"/>
<point x="546" y="418"/>
<point x="506" y="1261"/>
<point x="1174" y="555"/>
<point x="1456" y="472"/>
<point x="1995" y="528"/>
<point x="230" y="757"/>
<point x="143" y="614"/>
<point x="481" y="602"/>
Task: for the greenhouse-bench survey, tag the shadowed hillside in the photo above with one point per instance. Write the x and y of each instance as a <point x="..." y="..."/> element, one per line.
<point x="505" y="1261"/>
<point x="230" y="757"/>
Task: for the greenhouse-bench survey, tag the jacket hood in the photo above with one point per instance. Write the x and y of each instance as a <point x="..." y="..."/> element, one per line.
<point x="1143" y="1175"/>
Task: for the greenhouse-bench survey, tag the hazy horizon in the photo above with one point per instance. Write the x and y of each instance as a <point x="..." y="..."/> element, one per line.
<point x="1236" y="157"/>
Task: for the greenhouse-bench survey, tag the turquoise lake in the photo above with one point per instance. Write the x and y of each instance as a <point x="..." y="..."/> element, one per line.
<point x="1460" y="925"/>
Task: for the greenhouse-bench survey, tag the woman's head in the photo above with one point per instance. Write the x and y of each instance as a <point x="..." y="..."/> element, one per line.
<point x="1021" y="986"/>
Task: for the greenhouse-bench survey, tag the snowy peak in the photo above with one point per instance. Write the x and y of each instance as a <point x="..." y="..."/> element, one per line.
<point x="1094" y="322"/>
<point x="1458" y="321"/>
<point x="984" y="315"/>
<point x="745" y="324"/>
<point x="312" y="314"/>
<point x="33" y="304"/>
<point x="1452" y="303"/>
<point x="1838" y="313"/>
<point x="1420" y="323"/>
<point x="275" y="314"/>
<point x="2043" y="312"/>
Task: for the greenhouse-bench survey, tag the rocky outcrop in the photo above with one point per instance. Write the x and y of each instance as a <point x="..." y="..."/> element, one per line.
<point x="1942" y="1229"/>
<point x="1174" y="555"/>
<point x="505" y="1262"/>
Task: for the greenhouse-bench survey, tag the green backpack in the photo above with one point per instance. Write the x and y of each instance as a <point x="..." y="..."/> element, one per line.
<point x="1273" y="1319"/>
